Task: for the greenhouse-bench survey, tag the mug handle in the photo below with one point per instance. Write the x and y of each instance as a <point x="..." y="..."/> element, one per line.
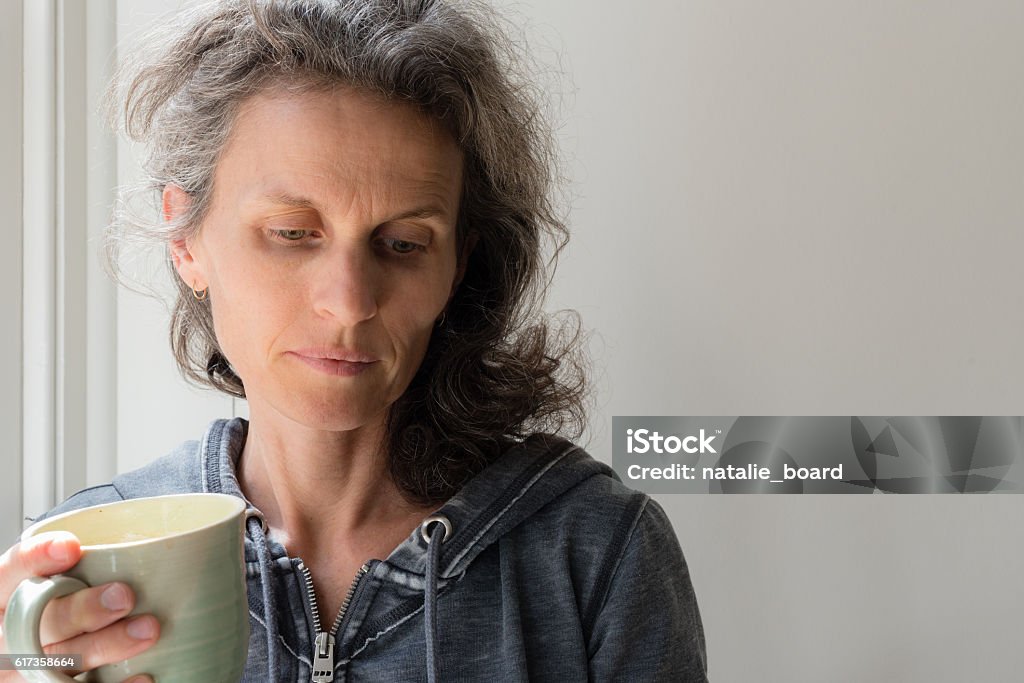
<point x="25" y="611"/>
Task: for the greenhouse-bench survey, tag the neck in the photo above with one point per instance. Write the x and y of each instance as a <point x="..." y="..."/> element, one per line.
<point x="314" y="485"/>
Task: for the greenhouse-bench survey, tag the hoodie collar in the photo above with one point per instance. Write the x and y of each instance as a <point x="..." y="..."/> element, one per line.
<point x="504" y="494"/>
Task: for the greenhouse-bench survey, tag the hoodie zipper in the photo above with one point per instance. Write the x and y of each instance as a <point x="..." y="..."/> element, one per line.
<point x="323" y="648"/>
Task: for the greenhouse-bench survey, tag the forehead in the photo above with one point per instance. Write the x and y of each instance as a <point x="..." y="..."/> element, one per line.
<point x="337" y="142"/>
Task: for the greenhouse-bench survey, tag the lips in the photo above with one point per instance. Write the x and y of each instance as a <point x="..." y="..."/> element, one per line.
<point x="334" y="361"/>
<point x="335" y="353"/>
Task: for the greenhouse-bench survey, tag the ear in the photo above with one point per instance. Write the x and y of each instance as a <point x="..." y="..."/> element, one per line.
<point x="176" y="203"/>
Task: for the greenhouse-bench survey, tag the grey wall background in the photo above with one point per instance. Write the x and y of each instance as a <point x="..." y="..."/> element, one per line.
<point x="809" y="208"/>
<point x="779" y="208"/>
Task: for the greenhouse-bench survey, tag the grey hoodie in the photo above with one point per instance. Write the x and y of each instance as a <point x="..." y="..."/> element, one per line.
<point x="552" y="570"/>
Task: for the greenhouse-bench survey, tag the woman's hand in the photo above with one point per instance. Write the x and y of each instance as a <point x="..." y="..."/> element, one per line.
<point x="88" y="622"/>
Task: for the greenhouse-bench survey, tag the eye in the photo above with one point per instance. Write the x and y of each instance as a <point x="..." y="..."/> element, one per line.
<point x="290" y="235"/>
<point x="402" y="246"/>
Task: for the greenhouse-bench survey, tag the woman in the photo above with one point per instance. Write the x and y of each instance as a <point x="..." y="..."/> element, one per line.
<point x="354" y="200"/>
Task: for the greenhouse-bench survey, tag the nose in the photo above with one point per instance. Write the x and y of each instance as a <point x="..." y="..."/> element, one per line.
<point x="346" y="287"/>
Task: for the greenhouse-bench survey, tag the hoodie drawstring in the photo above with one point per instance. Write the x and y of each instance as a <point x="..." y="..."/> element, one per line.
<point x="257" y="530"/>
<point x="441" y="532"/>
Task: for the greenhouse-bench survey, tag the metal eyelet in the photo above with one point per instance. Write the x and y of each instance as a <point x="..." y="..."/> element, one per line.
<point x="432" y="519"/>
<point x="253" y="512"/>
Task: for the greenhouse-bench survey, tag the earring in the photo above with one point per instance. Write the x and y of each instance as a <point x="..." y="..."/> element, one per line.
<point x="199" y="296"/>
<point x="440" y="321"/>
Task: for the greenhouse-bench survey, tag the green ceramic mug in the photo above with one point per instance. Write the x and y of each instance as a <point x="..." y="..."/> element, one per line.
<point x="182" y="555"/>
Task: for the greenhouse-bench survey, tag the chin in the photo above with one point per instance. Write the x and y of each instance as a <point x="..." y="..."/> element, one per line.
<point x="334" y="416"/>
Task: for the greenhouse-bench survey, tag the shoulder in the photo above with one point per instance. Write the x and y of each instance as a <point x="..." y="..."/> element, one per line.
<point x="596" y="520"/>
<point x="627" y="568"/>
<point x="93" y="495"/>
<point x="598" y="509"/>
<point x="612" y="528"/>
<point x="603" y="507"/>
<point x="179" y="471"/>
<point x="176" y="472"/>
<point x="602" y="523"/>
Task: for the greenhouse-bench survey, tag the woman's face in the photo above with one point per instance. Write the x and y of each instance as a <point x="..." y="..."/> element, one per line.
<point x="329" y="251"/>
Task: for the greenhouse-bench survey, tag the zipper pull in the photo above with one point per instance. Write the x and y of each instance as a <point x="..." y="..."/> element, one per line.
<point x="323" y="658"/>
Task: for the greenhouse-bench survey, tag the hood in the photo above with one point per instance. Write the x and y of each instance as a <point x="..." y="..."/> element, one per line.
<point x="503" y="495"/>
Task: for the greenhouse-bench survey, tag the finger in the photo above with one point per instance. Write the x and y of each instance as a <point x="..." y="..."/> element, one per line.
<point x="42" y="555"/>
<point x="119" y="641"/>
<point x="85" y="611"/>
<point x="140" y="679"/>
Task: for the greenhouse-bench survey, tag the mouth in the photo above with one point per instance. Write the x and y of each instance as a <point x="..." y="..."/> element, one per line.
<point x="335" y="362"/>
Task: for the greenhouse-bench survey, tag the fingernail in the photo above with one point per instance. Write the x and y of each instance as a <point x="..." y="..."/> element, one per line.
<point x="141" y="629"/>
<point x="114" y="598"/>
<point x="58" y="551"/>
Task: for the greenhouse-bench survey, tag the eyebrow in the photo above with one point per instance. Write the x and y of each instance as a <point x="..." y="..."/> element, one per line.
<point x="290" y="200"/>
<point x="285" y="199"/>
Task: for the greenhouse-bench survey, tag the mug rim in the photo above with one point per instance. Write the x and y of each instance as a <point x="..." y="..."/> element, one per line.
<point x="238" y="503"/>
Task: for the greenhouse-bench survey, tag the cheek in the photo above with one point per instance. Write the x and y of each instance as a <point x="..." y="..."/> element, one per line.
<point x="250" y="306"/>
<point x="410" y="331"/>
<point x="410" y="315"/>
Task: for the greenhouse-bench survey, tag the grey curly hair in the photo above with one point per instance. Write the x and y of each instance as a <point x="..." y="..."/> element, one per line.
<point x="497" y="370"/>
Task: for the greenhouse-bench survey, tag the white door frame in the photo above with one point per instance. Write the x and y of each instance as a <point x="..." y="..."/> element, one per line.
<point x="69" y="309"/>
